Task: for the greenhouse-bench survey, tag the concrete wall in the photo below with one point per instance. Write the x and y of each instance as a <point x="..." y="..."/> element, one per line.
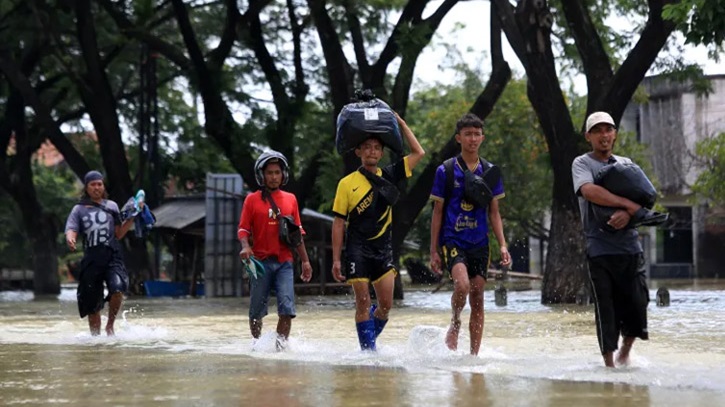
<point x="673" y="121"/>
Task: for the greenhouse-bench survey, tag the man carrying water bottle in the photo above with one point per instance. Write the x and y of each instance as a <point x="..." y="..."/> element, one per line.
<point x="260" y="221"/>
<point x="98" y="219"/>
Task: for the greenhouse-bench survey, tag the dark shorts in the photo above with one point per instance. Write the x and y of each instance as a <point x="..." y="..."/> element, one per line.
<point x="99" y="265"/>
<point x="368" y="263"/>
<point x="620" y="298"/>
<point x="476" y="260"/>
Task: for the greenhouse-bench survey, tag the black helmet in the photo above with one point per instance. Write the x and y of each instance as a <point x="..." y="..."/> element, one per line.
<point x="267" y="157"/>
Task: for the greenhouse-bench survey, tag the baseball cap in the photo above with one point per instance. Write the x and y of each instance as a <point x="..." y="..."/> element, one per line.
<point x="599" y="117"/>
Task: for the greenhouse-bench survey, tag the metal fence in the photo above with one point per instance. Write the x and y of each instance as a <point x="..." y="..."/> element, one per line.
<point x="223" y="271"/>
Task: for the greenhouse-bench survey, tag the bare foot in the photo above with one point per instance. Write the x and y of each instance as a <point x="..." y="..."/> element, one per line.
<point x="109" y="331"/>
<point x="623" y="356"/>
<point x="452" y="335"/>
<point x="280" y="344"/>
<point x="609" y="359"/>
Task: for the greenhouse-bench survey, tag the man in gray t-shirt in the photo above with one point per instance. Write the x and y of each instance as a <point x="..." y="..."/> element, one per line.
<point x="614" y="253"/>
<point x="98" y="220"/>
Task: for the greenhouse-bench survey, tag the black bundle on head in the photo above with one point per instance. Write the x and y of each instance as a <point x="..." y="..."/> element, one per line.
<point x="363" y="95"/>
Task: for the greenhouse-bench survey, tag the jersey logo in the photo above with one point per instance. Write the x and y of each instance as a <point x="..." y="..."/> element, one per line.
<point x="365" y="204"/>
<point x="355" y="189"/>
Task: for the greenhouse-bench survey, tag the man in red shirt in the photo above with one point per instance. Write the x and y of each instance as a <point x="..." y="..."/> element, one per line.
<point x="259" y="222"/>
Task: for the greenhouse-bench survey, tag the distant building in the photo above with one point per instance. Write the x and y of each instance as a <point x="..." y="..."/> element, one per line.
<point x="671" y="123"/>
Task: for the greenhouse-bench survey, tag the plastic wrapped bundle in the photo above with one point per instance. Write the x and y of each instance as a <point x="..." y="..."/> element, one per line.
<point x="628" y="181"/>
<point x="367" y="117"/>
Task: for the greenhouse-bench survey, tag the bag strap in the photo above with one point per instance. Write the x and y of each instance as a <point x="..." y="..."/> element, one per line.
<point x="484" y="164"/>
<point x="382" y="186"/>
<point x="116" y="216"/>
<point x="448" y="192"/>
<point x="268" y="195"/>
<point x="374" y="179"/>
<point x="449" y="170"/>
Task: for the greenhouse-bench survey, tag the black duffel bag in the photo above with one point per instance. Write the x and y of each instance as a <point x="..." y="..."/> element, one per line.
<point x="366" y="117"/>
<point x="628" y="181"/>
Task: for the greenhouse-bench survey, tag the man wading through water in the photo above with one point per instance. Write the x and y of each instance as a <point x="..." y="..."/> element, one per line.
<point x="615" y="258"/>
<point x="459" y="227"/>
<point x="99" y="221"/>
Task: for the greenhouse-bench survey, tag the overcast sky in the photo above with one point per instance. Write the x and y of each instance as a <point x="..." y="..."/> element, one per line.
<point x="473" y="42"/>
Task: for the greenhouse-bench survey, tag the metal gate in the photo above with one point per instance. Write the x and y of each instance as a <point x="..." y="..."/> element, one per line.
<point x="223" y="271"/>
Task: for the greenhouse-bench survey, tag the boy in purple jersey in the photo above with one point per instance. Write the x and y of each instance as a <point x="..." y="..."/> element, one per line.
<point x="459" y="229"/>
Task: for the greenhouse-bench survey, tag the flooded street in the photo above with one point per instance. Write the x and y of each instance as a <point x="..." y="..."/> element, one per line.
<point x="199" y="352"/>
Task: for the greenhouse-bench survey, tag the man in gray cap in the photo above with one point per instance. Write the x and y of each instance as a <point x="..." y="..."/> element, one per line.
<point x="615" y="257"/>
<point x="99" y="221"/>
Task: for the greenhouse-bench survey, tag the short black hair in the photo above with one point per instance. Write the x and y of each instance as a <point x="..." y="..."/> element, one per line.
<point x="468" y="120"/>
<point x="372" y="136"/>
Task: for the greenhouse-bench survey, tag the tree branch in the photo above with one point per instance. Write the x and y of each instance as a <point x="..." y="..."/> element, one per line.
<point x="595" y="60"/>
<point x="635" y="67"/>
<point x="218" y="55"/>
<point x="357" y="42"/>
<point x="74" y="159"/>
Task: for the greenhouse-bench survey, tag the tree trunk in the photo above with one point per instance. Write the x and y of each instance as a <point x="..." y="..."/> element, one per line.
<point x="42" y="230"/>
<point x="566" y="268"/>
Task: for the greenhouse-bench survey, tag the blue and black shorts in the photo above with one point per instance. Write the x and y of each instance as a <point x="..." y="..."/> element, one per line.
<point x="477" y="260"/>
<point x="364" y="262"/>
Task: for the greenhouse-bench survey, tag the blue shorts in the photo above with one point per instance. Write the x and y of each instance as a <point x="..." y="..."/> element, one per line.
<point x="279" y="276"/>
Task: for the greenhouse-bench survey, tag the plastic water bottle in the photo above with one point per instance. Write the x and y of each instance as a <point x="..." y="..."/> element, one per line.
<point x="139" y="199"/>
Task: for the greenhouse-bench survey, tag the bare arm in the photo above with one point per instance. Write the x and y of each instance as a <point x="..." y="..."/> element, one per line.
<point x="70" y="239"/>
<point x="246" y="251"/>
<point x="123" y="228"/>
<point x="306" y="266"/>
<point x="416" y="151"/>
<point x="338" y="230"/>
<point x="435" y="229"/>
<point x="600" y="196"/>
<point x="497" y="225"/>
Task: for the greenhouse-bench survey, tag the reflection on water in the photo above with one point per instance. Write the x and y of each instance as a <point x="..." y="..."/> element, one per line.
<point x="199" y="352"/>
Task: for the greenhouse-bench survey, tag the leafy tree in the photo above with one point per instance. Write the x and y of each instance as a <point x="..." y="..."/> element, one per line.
<point x="529" y="26"/>
<point x="710" y="155"/>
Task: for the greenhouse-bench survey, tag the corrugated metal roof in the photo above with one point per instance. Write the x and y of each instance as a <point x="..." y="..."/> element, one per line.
<point x="316" y="215"/>
<point x="178" y="214"/>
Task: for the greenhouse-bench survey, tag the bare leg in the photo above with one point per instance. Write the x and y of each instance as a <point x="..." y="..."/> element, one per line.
<point x="255" y="326"/>
<point x="284" y="325"/>
<point x="362" y="300"/>
<point x="461" y="288"/>
<point x="623" y="354"/>
<point x="114" y="306"/>
<point x="384" y="292"/>
<point x="608" y="359"/>
<point x="94" y="323"/>
<point x="475" y="324"/>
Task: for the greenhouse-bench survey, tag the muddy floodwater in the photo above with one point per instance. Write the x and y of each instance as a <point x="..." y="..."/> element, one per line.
<point x="189" y="352"/>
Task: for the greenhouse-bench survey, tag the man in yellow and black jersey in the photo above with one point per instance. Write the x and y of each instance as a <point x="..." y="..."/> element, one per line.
<point x="363" y="207"/>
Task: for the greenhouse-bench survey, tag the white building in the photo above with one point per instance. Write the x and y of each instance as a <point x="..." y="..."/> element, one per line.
<point x="673" y="120"/>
